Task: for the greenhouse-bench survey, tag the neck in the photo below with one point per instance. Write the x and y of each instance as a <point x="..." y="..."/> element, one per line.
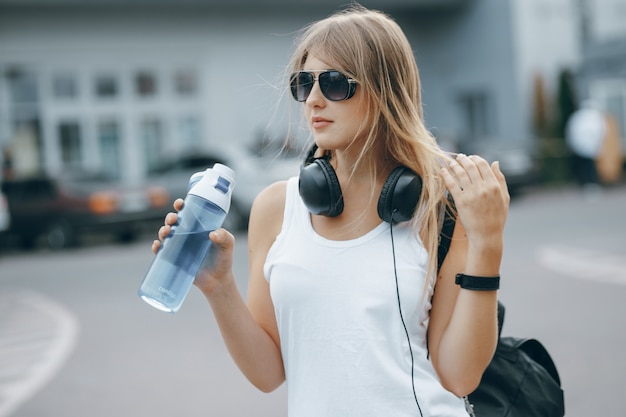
<point x="365" y="171"/>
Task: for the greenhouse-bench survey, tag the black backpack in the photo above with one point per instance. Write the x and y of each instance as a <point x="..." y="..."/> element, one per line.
<point x="521" y="380"/>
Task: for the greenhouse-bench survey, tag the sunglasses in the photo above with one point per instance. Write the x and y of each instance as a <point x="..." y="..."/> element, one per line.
<point x="334" y="85"/>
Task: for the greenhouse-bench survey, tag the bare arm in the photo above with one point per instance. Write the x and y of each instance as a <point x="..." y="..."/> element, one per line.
<point x="463" y="327"/>
<point x="249" y="331"/>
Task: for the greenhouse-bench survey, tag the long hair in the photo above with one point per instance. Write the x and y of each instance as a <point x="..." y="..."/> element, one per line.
<point x="370" y="47"/>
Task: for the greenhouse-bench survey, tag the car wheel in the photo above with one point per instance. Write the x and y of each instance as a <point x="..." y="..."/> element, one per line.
<point x="61" y="235"/>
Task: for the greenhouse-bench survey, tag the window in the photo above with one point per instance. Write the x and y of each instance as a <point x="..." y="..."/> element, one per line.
<point x="64" y="86"/>
<point x="70" y="143"/>
<point x="151" y="138"/>
<point x="145" y="84"/>
<point x="23" y="86"/>
<point x="23" y="117"/>
<point x="106" y="86"/>
<point x="189" y="132"/>
<point x="109" y="145"/>
<point x="475" y="108"/>
<point x="185" y="82"/>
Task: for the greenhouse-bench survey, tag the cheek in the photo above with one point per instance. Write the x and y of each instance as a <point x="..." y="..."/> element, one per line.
<point x="355" y="125"/>
<point x="362" y="108"/>
<point x="361" y="115"/>
<point x="306" y="114"/>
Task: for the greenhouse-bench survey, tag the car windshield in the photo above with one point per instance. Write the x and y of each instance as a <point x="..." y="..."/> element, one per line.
<point x="186" y="163"/>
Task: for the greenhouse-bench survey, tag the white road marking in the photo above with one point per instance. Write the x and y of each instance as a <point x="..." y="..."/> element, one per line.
<point x="36" y="337"/>
<point x="582" y="263"/>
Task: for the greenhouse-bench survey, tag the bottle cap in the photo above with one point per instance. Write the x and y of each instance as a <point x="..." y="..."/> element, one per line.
<point x="216" y="185"/>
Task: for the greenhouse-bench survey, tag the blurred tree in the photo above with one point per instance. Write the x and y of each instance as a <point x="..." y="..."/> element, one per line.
<point x="558" y="157"/>
<point x="567" y="101"/>
<point x="541" y="123"/>
<point x="549" y="120"/>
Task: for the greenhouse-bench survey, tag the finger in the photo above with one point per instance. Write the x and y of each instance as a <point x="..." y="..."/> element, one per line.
<point x="178" y="204"/>
<point x="470" y="165"/>
<point x="156" y="244"/>
<point x="451" y="183"/>
<point x="459" y="173"/>
<point x="171" y="218"/>
<point x="164" y="231"/>
<point x="482" y="166"/>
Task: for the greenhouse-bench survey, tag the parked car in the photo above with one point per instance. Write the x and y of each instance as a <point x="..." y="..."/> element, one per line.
<point x="252" y="174"/>
<point x="518" y="160"/>
<point x="61" y="209"/>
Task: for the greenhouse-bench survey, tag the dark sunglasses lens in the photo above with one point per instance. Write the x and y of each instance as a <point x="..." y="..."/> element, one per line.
<point x="301" y="85"/>
<point x="334" y="85"/>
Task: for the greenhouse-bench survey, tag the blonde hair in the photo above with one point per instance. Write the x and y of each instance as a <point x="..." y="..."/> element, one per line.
<point x="370" y="47"/>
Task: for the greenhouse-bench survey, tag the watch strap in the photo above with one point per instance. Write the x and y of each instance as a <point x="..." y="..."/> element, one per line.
<point x="477" y="283"/>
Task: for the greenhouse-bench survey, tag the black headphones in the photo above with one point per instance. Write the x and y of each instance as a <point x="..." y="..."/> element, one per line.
<point x="321" y="192"/>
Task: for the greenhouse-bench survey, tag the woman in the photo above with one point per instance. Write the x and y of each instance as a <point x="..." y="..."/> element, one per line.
<point x="349" y="309"/>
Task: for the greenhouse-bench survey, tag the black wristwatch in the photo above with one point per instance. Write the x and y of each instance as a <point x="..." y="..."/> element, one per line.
<point x="475" y="283"/>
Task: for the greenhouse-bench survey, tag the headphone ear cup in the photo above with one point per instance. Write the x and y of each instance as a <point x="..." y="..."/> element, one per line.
<point x="399" y="195"/>
<point x="320" y="189"/>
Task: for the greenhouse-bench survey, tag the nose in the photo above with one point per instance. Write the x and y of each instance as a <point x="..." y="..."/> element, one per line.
<point x="316" y="98"/>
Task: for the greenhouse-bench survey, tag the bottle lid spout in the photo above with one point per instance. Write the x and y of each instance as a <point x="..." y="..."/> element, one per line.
<point x="216" y="185"/>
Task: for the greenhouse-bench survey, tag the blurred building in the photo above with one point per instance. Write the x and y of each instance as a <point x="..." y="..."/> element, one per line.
<point x="117" y="86"/>
<point x="602" y="70"/>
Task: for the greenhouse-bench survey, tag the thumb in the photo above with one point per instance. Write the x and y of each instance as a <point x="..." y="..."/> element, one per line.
<point x="222" y="238"/>
<point x="495" y="168"/>
<point x="219" y="260"/>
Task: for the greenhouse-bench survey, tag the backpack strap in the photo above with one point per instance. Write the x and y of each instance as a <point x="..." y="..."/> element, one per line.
<point x="445" y="236"/>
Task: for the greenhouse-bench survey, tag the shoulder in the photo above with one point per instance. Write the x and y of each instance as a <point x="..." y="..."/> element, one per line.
<point x="266" y="215"/>
<point x="270" y="199"/>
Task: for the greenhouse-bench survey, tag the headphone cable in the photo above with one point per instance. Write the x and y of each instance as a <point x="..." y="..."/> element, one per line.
<point x="406" y="331"/>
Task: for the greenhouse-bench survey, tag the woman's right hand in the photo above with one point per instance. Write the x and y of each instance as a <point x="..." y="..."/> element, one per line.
<point x="222" y="258"/>
<point x="170" y="220"/>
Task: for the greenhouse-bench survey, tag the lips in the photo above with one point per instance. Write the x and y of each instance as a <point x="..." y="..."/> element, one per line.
<point x="319" y="122"/>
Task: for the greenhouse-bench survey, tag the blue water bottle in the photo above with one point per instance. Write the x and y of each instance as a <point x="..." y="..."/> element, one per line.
<point x="183" y="252"/>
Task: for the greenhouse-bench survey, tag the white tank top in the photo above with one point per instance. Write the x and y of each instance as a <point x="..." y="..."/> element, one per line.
<point x="344" y="347"/>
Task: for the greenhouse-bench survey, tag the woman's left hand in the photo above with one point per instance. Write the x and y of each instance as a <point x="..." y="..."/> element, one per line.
<point x="481" y="197"/>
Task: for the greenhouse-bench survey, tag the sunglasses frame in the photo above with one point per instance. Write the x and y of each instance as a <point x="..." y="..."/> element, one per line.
<point x="315" y="75"/>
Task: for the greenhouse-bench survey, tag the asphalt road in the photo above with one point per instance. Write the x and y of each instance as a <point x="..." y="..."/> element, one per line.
<point x="76" y="341"/>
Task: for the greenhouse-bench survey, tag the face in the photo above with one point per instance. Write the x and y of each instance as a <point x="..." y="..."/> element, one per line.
<point x="334" y="124"/>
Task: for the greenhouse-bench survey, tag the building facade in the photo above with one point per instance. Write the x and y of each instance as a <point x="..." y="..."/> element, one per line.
<point x="602" y="71"/>
<point x="118" y="87"/>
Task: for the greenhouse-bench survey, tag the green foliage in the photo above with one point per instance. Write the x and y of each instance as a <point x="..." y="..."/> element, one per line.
<point x="567" y="101"/>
